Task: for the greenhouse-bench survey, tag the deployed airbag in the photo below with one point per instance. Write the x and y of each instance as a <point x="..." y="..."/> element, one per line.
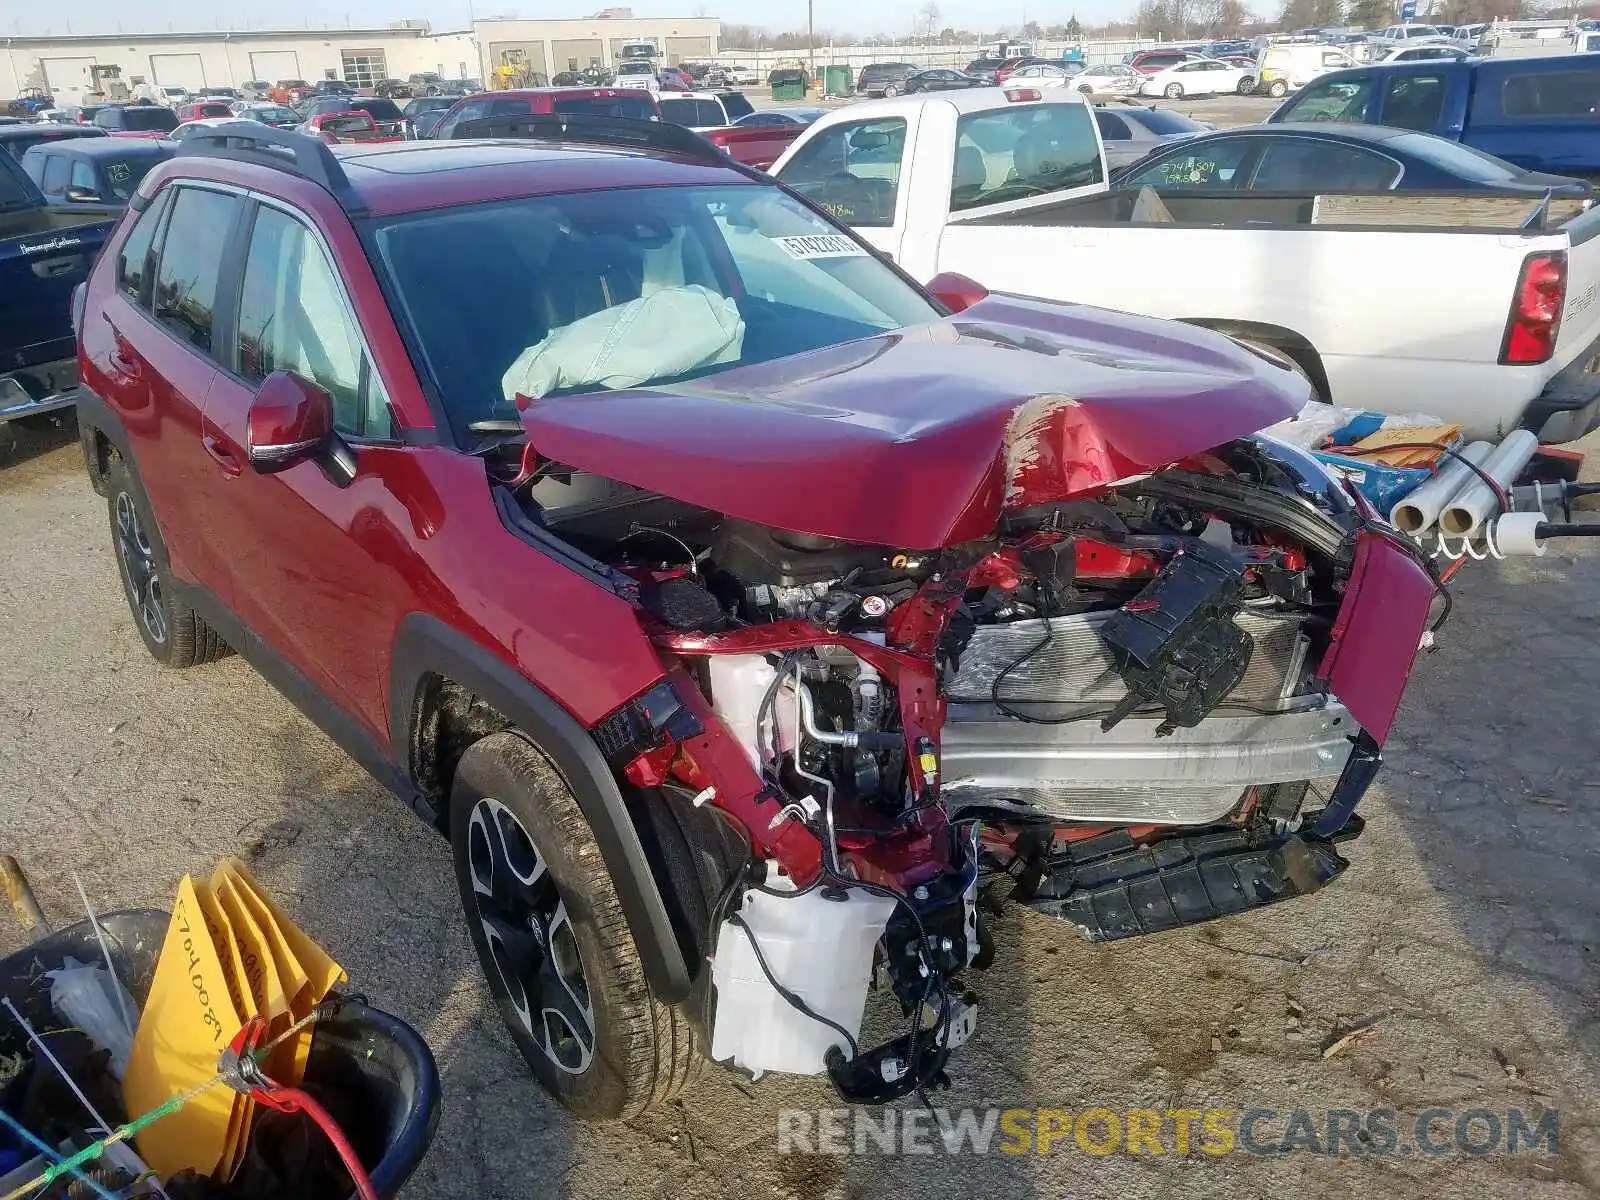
<point x="666" y="333"/>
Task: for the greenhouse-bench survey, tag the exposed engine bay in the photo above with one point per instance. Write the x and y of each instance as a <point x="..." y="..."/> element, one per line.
<point x="1123" y="711"/>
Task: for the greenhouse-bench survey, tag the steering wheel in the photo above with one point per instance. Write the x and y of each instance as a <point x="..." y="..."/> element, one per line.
<point x="846" y="196"/>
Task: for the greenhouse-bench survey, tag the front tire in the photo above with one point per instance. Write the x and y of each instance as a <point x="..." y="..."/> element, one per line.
<point x="548" y="927"/>
<point x="1278" y="89"/>
<point x="1174" y="91"/>
<point x="174" y="633"/>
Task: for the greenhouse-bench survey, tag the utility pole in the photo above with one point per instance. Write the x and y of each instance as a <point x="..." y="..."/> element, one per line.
<point x="811" y="38"/>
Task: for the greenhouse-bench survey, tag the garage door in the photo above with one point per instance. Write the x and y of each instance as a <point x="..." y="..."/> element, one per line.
<point x="575" y="54"/>
<point x="67" y="74"/>
<point x="680" y="49"/>
<point x="178" y="70"/>
<point x="273" y="65"/>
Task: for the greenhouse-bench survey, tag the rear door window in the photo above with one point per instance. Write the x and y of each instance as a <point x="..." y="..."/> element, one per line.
<point x="83" y="176"/>
<point x="1019" y="151"/>
<point x="186" y="276"/>
<point x="1552" y="94"/>
<point x="1414" y="101"/>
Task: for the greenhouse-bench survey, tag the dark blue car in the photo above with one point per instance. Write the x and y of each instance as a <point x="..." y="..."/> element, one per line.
<point x="1540" y="113"/>
<point x="1317" y="156"/>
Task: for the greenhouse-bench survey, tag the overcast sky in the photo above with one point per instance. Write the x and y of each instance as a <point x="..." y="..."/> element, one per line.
<point x="182" y="16"/>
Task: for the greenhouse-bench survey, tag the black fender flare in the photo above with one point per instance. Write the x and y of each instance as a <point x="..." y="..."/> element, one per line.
<point x="96" y="416"/>
<point x="424" y="646"/>
<point x="1291" y="343"/>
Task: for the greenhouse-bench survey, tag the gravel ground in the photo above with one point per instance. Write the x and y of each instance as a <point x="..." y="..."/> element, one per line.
<point x="1467" y="925"/>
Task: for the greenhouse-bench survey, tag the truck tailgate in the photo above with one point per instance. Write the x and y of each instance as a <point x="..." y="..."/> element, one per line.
<point x="40" y="263"/>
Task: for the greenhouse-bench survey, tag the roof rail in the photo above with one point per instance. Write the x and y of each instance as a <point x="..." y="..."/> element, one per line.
<point x="605" y="131"/>
<point x="281" y="149"/>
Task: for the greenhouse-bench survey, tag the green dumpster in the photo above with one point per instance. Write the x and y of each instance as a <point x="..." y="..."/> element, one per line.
<point x="838" y="81"/>
<point x="789" y="89"/>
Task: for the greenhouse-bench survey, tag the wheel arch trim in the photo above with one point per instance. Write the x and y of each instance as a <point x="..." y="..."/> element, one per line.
<point x="425" y="646"/>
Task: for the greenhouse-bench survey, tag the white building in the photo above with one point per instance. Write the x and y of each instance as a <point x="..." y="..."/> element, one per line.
<point x="64" y="64"/>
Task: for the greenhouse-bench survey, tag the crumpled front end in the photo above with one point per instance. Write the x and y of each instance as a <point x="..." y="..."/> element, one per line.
<point x="1144" y="697"/>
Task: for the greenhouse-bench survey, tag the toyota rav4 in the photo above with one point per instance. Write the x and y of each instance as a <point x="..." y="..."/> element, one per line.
<point x="750" y="619"/>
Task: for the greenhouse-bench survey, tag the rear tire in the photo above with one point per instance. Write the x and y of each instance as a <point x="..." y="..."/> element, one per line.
<point x="548" y="927"/>
<point x="890" y="92"/>
<point x="1247" y="86"/>
<point x="1174" y="91"/>
<point x="1278" y="89"/>
<point x="174" y="633"/>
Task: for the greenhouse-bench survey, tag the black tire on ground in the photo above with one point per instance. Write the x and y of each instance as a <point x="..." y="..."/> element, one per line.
<point x="1247" y="86"/>
<point x="1174" y="91"/>
<point x="174" y="633"/>
<point x="890" y="92"/>
<point x="583" y="969"/>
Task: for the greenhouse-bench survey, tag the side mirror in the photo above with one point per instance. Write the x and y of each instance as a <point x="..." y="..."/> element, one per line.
<point x="955" y="292"/>
<point x="83" y="195"/>
<point x="290" y="420"/>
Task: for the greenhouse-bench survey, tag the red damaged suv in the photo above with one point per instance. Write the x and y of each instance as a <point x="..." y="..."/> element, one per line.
<point x="736" y="607"/>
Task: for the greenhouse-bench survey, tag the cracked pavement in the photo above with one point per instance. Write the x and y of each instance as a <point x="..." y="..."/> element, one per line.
<point x="1467" y="924"/>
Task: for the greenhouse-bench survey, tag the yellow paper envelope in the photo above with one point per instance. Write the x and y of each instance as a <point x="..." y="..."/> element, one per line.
<point x="187" y="1022"/>
<point x="239" y="992"/>
<point x="272" y="1001"/>
<point x="322" y="971"/>
<point x="291" y="974"/>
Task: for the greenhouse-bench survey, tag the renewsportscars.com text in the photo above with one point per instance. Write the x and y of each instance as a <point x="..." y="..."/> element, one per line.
<point x="1378" y="1132"/>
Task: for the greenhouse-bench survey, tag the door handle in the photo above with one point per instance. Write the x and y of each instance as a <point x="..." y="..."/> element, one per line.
<point x="225" y="455"/>
<point x="50" y="268"/>
<point x="121" y="356"/>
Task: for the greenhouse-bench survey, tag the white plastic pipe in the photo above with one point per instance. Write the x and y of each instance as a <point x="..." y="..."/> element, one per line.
<point x="1422" y="507"/>
<point x="1518" y="533"/>
<point x="1472" y="506"/>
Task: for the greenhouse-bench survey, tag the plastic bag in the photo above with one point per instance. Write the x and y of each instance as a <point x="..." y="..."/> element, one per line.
<point x="87" y="996"/>
<point x="1314" y="424"/>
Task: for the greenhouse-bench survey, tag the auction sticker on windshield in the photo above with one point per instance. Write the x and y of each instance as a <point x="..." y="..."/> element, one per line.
<point x="821" y="245"/>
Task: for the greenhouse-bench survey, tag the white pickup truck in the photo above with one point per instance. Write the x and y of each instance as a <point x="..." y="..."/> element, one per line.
<point x="1400" y="302"/>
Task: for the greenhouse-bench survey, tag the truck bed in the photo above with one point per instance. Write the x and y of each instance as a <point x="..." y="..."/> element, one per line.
<point x="1396" y="301"/>
<point x="1451" y="212"/>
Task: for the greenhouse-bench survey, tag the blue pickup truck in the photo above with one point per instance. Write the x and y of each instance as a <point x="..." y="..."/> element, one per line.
<point x="1539" y="113"/>
<point x="45" y="252"/>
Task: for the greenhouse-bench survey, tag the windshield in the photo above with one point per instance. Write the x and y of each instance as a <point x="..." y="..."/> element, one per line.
<point x="635" y="68"/>
<point x="628" y="104"/>
<point x="149" y="118"/>
<point x="560" y="294"/>
<point x="1461" y="161"/>
<point x="268" y="115"/>
<point x="691" y="112"/>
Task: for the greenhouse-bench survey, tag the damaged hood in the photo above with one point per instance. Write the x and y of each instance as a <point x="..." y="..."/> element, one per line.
<point x="922" y="437"/>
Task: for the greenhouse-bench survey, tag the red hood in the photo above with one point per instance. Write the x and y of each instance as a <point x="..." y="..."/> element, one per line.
<point x="920" y="438"/>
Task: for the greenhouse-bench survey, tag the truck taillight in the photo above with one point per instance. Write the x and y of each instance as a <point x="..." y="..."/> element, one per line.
<point x="1536" y="310"/>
